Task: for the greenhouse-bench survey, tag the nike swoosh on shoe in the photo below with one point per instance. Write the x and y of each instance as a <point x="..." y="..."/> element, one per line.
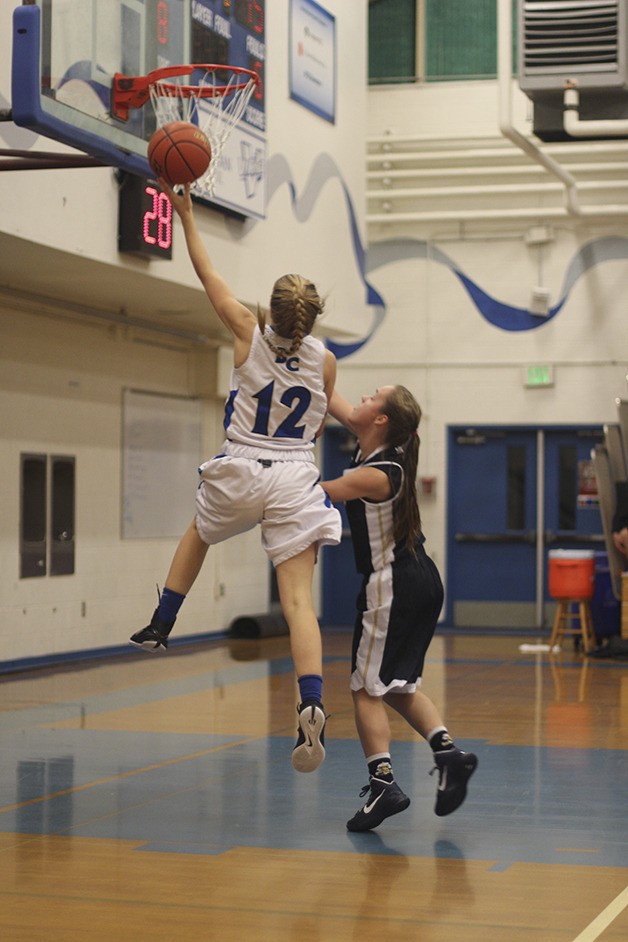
<point x="368" y="808"/>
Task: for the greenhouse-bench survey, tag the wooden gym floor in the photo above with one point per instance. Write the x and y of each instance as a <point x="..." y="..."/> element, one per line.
<point x="152" y="798"/>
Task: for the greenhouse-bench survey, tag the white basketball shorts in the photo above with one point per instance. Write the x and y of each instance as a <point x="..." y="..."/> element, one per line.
<point x="293" y="510"/>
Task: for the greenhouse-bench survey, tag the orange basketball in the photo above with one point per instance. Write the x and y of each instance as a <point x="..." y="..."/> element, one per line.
<point x="179" y="152"/>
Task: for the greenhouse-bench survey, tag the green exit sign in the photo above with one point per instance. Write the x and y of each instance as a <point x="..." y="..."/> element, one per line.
<point x="539" y="374"/>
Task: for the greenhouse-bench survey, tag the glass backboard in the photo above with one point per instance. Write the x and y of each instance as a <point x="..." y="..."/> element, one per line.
<point x="67" y="52"/>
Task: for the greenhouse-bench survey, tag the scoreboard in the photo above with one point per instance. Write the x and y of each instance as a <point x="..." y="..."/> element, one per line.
<point x="223" y="32"/>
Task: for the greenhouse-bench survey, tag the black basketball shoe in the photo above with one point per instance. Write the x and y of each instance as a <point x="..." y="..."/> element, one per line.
<point x="455" y="768"/>
<point x="309" y="751"/>
<point x="385" y="799"/>
<point x="154" y="637"/>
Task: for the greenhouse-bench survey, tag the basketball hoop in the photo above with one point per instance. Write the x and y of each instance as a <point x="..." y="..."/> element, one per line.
<point x="216" y="103"/>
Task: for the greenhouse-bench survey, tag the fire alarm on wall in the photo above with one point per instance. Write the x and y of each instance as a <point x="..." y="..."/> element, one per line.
<point x="540" y="302"/>
<point x="428" y="486"/>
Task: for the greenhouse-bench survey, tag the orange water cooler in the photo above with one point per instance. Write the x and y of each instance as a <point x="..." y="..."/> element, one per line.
<point x="571" y="583"/>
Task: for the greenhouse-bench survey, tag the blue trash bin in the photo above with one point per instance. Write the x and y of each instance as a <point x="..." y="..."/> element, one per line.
<point x="605" y="608"/>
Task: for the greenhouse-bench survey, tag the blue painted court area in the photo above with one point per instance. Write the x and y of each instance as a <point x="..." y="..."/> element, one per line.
<point x="196" y="794"/>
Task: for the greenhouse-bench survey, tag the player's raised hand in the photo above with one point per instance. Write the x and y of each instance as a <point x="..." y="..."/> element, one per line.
<point x="181" y="202"/>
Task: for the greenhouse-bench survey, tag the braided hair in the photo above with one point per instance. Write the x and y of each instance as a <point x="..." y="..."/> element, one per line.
<point x="404" y="415"/>
<point x="294" y="306"/>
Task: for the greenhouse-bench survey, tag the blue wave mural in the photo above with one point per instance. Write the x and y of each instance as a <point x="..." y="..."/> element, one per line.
<point x="502" y="315"/>
<point x="323" y="170"/>
<point x="498" y="313"/>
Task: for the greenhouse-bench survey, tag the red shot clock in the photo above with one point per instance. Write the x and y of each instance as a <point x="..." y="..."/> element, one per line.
<point x="144" y="218"/>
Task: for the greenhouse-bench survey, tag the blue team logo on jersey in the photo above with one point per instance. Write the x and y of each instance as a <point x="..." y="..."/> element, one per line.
<point x="292" y="363"/>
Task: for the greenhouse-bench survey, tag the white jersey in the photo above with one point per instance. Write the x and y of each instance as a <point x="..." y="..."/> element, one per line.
<point x="277" y="402"/>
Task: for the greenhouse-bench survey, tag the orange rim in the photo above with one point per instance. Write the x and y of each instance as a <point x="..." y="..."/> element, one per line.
<point x="134" y="91"/>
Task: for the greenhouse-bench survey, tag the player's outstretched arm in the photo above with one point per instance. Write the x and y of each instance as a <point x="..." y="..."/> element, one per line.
<point x="341" y="409"/>
<point x="235" y="316"/>
<point x="329" y="375"/>
<point x="370" y="483"/>
<point x="329" y="379"/>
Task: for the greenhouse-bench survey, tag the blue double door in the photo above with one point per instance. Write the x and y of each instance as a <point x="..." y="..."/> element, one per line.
<point x="515" y="494"/>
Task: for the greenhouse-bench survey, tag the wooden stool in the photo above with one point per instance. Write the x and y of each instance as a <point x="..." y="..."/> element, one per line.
<point x="577" y="623"/>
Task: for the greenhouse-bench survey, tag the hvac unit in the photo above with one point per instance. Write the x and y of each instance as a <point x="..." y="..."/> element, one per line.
<point x="585" y="41"/>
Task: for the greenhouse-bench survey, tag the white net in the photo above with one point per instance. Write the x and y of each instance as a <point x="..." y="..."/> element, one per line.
<point x="211" y="104"/>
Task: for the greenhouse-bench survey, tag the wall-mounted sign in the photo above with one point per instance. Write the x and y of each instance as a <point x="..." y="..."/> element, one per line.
<point x="312" y="45"/>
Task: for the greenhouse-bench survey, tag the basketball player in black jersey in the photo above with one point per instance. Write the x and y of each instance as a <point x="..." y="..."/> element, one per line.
<point x="399" y="602"/>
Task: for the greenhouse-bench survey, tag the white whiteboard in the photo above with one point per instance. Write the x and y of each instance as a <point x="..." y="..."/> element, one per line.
<point x="161" y="442"/>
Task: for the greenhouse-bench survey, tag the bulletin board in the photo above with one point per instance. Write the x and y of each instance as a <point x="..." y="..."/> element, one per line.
<point x="161" y="440"/>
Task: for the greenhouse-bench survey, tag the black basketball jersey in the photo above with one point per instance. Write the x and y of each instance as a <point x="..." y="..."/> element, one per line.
<point x="371" y="522"/>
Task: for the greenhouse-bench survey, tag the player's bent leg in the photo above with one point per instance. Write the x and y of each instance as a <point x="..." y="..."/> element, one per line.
<point x="294" y="581"/>
<point x="184" y="568"/>
<point x="187" y="561"/>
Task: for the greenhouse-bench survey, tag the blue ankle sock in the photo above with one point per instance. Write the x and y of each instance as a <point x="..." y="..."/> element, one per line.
<point x="310" y="687"/>
<point x="169" y="605"/>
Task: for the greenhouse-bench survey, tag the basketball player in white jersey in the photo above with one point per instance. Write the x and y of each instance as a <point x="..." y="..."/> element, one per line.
<point x="265" y="474"/>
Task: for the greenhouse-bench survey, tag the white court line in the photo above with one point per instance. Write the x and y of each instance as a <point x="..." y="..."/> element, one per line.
<point x="595" y="928"/>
